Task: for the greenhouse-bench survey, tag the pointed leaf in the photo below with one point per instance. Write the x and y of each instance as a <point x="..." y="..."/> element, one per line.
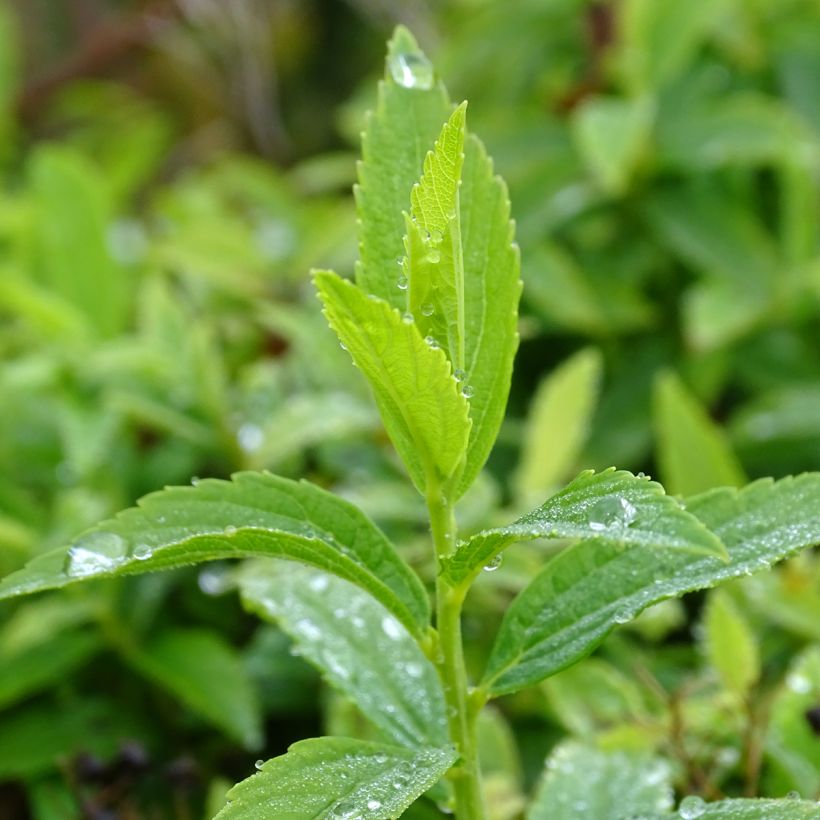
<point x="730" y="644"/>
<point x="418" y="398"/>
<point x="613" y="507"/>
<point x="254" y="514"/>
<point x="347" y="634"/>
<point x="582" y="781"/>
<point x="492" y="289"/>
<point x="748" y="809"/>
<point x="583" y="593"/>
<point x="411" y="107"/>
<point x="335" y="777"/>
<point x="202" y="671"/>
<point x="693" y="453"/>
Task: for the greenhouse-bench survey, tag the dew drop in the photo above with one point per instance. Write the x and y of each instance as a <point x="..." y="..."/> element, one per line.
<point x="413" y="670"/>
<point x="793" y="795"/>
<point x="259" y="764"/>
<point x="427" y="309"/>
<point x="373" y="805"/>
<point x="431" y="342"/>
<point x="691" y="807"/>
<point x="319" y="583"/>
<point x="467" y="391"/>
<point x="94" y="553"/>
<point x="343" y="345"/>
<point x="195" y="480"/>
<point x="402" y="282"/>
<point x="411" y="71"/>
<point x="380" y="758"/>
<point x="142" y="552"/>
<point x="408" y="318"/>
<point x="250" y="438"/>
<point x="230" y="530"/>
<point x="433" y="256"/>
<point x="459" y="375"/>
<point x="611" y="512"/>
<point x="492" y="566"/>
<point x="391" y="628"/>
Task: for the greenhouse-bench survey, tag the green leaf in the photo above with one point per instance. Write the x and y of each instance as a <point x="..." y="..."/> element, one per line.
<point x="411" y="107"/>
<point x="731" y="644"/>
<point x="741" y="809"/>
<point x="347" y="635"/>
<point x="34" y="668"/>
<point x="204" y="672"/>
<point x="559" y="417"/>
<point x="492" y="289"/>
<point x="434" y="266"/>
<point x="335" y="778"/>
<point x="612" y="134"/>
<point x="254" y="514"/>
<point x="613" y="507"/>
<point x="791" y="744"/>
<point x="582" y="781"/>
<point x="584" y="592"/>
<point x="693" y="453"/>
<point x="417" y="395"/>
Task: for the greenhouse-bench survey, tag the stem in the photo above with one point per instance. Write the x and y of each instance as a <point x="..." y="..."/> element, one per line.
<point x="461" y="710"/>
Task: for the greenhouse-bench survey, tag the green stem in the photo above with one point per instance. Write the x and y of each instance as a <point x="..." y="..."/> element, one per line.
<point x="461" y="711"/>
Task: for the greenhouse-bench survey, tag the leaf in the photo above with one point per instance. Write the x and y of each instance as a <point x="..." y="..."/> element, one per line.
<point x="582" y="781"/>
<point x="418" y="398"/>
<point x="559" y="417"/>
<point x="584" y="592"/>
<point x="347" y="635"/>
<point x="611" y="135"/>
<point x="613" y="507"/>
<point x="748" y="809"/>
<point x="38" y="667"/>
<point x="731" y="644"/>
<point x="434" y="266"/>
<point x="792" y="746"/>
<point x="492" y="289"/>
<point x="204" y="672"/>
<point x="411" y="107"/>
<point x="692" y="452"/>
<point x="254" y="514"/>
<point x="335" y="778"/>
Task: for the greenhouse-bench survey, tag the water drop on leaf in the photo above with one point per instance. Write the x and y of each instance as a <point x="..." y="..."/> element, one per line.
<point x="94" y="553"/>
<point x="611" y="512"/>
<point x="411" y="71"/>
<point x="492" y="566"/>
<point x="691" y="807"/>
<point x="402" y="283"/>
<point x="427" y="309"/>
<point x="467" y="391"/>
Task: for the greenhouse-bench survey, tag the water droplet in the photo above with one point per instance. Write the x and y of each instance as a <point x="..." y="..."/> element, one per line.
<point x="799" y="683"/>
<point x="380" y="758"/>
<point x="611" y="512"/>
<point x="411" y="71"/>
<point x="391" y="628"/>
<point x="319" y="583"/>
<point x="250" y="438"/>
<point x="94" y="553"/>
<point x="459" y="375"/>
<point x="343" y="345"/>
<point x="691" y="807"/>
<point x="142" y="552"/>
<point x="195" y="480"/>
<point x="467" y="391"/>
<point x="373" y="805"/>
<point x="427" y="309"/>
<point x="230" y="530"/>
<point x="433" y="256"/>
<point x="431" y="342"/>
<point x="259" y="764"/>
<point x="408" y="318"/>
<point x="435" y="236"/>
<point x="402" y="282"/>
<point x="793" y="795"/>
<point x="214" y="580"/>
<point x="413" y="670"/>
<point x="308" y="630"/>
<point x="493" y="565"/>
<point x="345" y="810"/>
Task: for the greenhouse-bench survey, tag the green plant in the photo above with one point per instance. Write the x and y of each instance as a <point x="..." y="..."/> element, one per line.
<point x="431" y="324"/>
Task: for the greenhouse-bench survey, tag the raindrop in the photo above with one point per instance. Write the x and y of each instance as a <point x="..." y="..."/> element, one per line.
<point x="793" y="795"/>
<point x="380" y="758"/>
<point x="319" y="583"/>
<point x="431" y="342"/>
<point x="391" y="628"/>
<point x="691" y="807"/>
<point x="427" y="309"/>
<point x="433" y="256"/>
<point x="611" y="512"/>
<point x="408" y="318"/>
<point x="343" y="345"/>
<point x="411" y="71"/>
<point x="413" y="670"/>
<point x="492" y="566"/>
<point x="403" y="282"/>
<point x="459" y="375"/>
<point x="373" y="805"/>
<point x="230" y="530"/>
<point x="308" y="629"/>
<point x="259" y="764"/>
<point x="195" y="480"/>
<point x="95" y="552"/>
<point x="467" y="391"/>
<point x="142" y="552"/>
<point x="345" y="810"/>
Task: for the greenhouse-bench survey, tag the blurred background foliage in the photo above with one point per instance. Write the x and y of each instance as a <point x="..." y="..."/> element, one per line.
<point x="171" y="170"/>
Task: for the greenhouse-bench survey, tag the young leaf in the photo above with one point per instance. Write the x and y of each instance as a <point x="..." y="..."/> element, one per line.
<point x="411" y="107"/>
<point x="582" y="781"/>
<point x="254" y="514"/>
<point x="730" y="644"/>
<point x="347" y="635"/>
<point x="492" y="288"/>
<point x="693" y="453"/>
<point x="336" y="778"/>
<point x="583" y="593"/>
<point x="205" y="674"/>
<point x="613" y="507"/>
<point x="559" y="416"/>
<point x="418" y="398"/>
<point x="741" y="809"/>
